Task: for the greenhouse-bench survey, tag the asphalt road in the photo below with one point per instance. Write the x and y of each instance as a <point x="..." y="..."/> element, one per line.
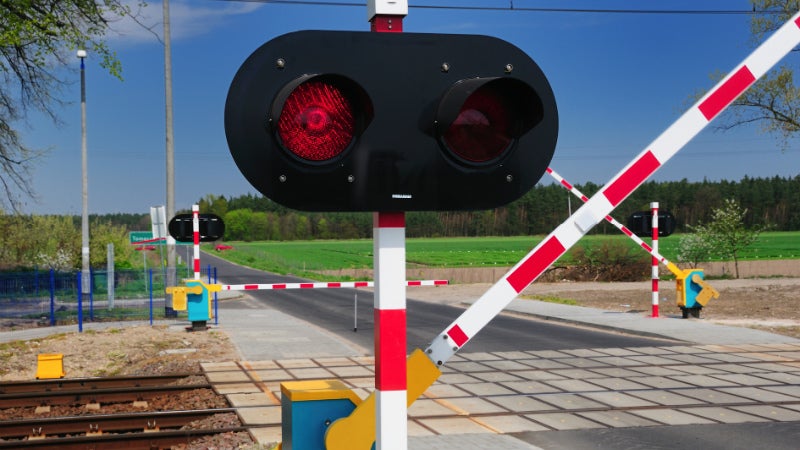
<point x="335" y="311"/>
<point x="742" y="436"/>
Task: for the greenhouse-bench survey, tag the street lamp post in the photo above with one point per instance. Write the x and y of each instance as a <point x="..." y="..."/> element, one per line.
<point x="85" y="274"/>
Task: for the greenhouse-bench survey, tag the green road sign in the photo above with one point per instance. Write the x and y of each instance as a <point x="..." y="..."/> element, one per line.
<point x="141" y="237"/>
<point x="146" y="238"/>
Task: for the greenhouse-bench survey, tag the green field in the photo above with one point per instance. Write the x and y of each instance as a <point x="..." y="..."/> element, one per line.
<point x="299" y="257"/>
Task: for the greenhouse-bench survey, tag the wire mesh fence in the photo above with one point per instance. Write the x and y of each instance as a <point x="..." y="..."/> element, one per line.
<point x="49" y="298"/>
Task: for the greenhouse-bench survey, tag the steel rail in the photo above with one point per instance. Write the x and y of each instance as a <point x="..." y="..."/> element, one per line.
<point x="104" y="423"/>
<point x="11" y="387"/>
<point x="87" y="396"/>
<point x="127" y="441"/>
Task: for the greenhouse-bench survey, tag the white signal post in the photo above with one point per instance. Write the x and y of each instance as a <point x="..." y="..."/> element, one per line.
<point x="389" y="264"/>
<point x="196" y="239"/>
<point x="654" y="208"/>
<point x="390" y="330"/>
<point x="468" y="324"/>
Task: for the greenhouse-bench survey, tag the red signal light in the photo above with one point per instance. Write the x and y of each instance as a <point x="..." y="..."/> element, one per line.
<point x="318" y="116"/>
<point x="481" y="131"/>
<point x="481" y="118"/>
<point x="316" y="122"/>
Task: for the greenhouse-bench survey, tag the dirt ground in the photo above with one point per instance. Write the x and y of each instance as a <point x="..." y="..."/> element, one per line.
<point x="141" y="350"/>
<point x="766" y="303"/>
<point x="771" y="304"/>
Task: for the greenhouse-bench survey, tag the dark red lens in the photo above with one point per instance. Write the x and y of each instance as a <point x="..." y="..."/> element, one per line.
<point x="317" y="121"/>
<point x="482" y="131"/>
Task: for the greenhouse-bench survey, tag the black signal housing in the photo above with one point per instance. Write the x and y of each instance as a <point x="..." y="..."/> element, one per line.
<point x="399" y="121"/>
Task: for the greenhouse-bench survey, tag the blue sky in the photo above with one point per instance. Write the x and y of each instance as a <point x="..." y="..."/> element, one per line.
<point x="619" y="79"/>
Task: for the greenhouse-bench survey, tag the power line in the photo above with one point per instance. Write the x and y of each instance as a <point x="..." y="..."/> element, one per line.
<point x="513" y="8"/>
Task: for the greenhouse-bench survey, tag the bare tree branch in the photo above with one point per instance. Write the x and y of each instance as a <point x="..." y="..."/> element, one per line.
<point x="36" y="36"/>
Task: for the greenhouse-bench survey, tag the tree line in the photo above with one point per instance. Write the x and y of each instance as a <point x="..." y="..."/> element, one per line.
<point x="774" y="202"/>
<point x="54" y="242"/>
<point x="28" y="241"/>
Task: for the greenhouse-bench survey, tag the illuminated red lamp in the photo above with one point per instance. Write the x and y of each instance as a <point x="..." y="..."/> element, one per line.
<point x="319" y="116"/>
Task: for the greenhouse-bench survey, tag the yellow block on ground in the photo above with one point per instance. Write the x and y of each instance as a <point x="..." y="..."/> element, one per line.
<point x="50" y="365"/>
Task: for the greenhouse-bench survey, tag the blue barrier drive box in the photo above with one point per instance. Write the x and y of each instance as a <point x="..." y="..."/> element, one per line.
<point x="198" y="305"/>
<point x="309" y="407"/>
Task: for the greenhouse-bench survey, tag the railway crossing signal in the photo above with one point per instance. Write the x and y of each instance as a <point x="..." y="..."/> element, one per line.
<point x="359" y="121"/>
<point x="641" y="223"/>
<point x="211" y="228"/>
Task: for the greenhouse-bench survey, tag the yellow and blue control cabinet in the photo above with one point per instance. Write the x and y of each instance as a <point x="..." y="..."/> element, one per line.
<point x="693" y="292"/>
<point x="196" y="300"/>
<point x="309" y="407"/>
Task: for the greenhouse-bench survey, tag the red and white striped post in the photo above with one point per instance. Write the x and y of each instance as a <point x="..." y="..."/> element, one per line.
<point x="196" y="239"/>
<point x="654" y="208"/>
<point x="391" y="408"/>
<point x="391" y="431"/>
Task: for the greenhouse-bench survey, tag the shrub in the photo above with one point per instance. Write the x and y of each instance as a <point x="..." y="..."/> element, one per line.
<point x="610" y="261"/>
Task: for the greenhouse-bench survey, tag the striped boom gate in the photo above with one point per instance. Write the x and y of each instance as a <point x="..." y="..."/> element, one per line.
<point x="323" y="285"/>
<point x="614" y="192"/>
<point x="422" y="373"/>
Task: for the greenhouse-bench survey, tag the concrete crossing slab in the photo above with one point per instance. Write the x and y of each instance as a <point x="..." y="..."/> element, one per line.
<point x="671" y="417"/>
<point x="757" y="394"/>
<point x="564" y="421"/>
<point x="617" y="419"/>
<point x="770" y="412"/>
<point x="724" y="415"/>
<point x="666" y="398"/>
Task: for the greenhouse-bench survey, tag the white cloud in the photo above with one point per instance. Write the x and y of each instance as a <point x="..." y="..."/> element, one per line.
<point x="187" y="19"/>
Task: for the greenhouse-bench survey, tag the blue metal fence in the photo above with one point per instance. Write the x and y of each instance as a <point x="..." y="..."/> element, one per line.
<point x="49" y="298"/>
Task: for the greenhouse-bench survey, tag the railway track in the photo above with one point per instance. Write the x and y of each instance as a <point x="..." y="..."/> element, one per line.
<point x="92" y="396"/>
<point x="27" y="422"/>
<point x="13" y="387"/>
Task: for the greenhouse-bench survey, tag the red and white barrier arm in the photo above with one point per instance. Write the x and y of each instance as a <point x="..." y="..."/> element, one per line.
<point x="649" y="249"/>
<point x="468" y="324"/>
<point x="150" y="241"/>
<point x="322" y="285"/>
